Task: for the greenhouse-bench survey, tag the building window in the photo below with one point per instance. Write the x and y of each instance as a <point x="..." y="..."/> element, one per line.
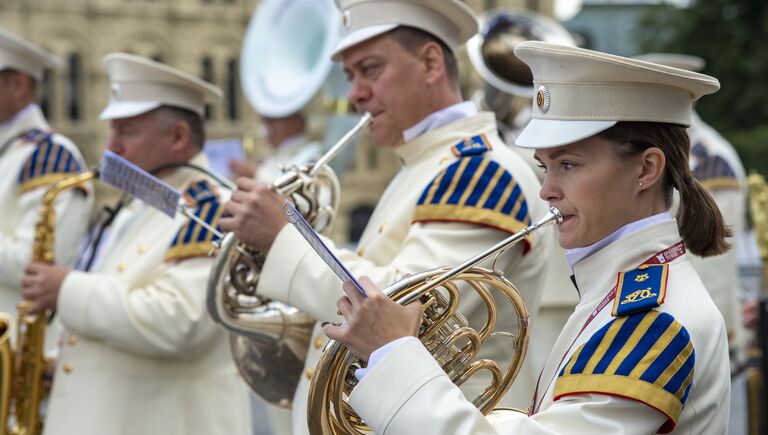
<point x="232" y="90"/>
<point x="207" y="75"/>
<point x="74" y="76"/>
<point x="46" y="94"/>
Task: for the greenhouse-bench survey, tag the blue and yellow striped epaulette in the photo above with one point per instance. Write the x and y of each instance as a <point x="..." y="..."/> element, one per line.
<point x="646" y="356"/>
<point x="34" y="135"/>
<point x="640" y="289"/>
<point x="713" y="171"/>
<point x="474" y="190"/>
<point x="472" y="146"/>
<point x="48" y="163"/>
<point x="193" y="240"/>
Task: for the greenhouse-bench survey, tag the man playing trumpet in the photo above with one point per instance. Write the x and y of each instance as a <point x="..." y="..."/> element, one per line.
<point x="459" y="191"/>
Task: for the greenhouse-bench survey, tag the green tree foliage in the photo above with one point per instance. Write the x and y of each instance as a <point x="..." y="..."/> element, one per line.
<point x="732" y="36"/>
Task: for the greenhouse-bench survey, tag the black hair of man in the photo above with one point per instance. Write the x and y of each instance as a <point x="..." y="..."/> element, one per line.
<point x="412" y="39"/>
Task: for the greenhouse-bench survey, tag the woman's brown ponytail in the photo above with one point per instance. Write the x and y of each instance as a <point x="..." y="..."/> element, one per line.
<point x="701" y="224"/>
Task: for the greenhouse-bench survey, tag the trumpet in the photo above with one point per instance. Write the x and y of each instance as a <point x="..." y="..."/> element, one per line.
<point x="443" y="331"/>
<point x="269" y="339"/>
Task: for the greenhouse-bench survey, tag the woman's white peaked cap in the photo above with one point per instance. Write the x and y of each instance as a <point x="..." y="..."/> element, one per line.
<point x="579" y="93"/>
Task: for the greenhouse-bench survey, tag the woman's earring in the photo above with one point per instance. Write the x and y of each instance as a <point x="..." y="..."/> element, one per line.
<point x="640" y="183"/>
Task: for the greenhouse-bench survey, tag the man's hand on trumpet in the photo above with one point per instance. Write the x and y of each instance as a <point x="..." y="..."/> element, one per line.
<point x="372" y="321"/>
<point x="254" y="213"/>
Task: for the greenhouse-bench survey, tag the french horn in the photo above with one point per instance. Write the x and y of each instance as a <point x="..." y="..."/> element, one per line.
<point x="443" y="331"/>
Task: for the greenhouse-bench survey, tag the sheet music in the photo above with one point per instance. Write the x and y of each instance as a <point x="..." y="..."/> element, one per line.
<point x="293" y="216"/>
<point x="128" y="177"/>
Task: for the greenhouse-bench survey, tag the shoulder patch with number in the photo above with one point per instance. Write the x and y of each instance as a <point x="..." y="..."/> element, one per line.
<point x="713" y="171"/>
<point x="646" y="356"/>
<point x="640" y="289"/>
<point x="192" y="239"/>
<point x="474" y="190"/>
<point x="49" y="162"/>
<point x="472" y="146"/>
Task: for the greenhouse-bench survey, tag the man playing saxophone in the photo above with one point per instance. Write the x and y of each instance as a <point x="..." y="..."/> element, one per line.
<point x="32" y="157"/>
<point x="459" y="191"/>
<point x="141" y="354"/>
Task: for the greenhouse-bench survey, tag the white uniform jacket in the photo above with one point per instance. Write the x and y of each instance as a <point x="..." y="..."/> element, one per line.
<point x="31" y="159"/>
<point x="441" y="208"/>
<point x="716" y="165"/>
<point x="640" y="372"/>
<point x="142" y="355"/>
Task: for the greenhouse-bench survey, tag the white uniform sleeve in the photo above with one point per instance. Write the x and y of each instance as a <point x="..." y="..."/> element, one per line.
<point x="423" y="400"/>
<point x="164" y="317"/>
<point x="73" y="208"/>
<point x="295" y="274"/>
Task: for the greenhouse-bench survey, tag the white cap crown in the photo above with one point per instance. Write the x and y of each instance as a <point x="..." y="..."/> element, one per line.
<point x="579" y="93"/>
<point x="675" y="60"/>
<point x="20" y="55"/>
<point x="451" y="21"/>
<point x="139" y="85"/>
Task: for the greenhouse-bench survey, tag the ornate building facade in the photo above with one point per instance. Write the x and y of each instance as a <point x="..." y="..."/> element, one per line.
<point x="198" y="36"/>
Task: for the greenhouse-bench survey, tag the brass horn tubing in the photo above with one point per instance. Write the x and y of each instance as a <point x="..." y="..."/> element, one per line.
<point x="450" y="308"/>
<point x="552" y="216"/>
<point x="481" y="401"/>
<point x="340" y="385"/>
<point x="331" y="153"/>
<point x="466" y="352"/>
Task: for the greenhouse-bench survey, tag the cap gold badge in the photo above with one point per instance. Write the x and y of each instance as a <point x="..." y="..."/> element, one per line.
<point x="542" y="99"/>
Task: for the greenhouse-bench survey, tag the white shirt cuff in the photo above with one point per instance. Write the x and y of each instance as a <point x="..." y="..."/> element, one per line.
<point x="378" y="355"/>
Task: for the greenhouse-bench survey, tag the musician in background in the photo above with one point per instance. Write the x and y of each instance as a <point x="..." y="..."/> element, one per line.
<point x="32" y="158"/>
<point x="141" y="355"/>
<point x="459" y="191"/>
<point x="645" y="350"/>
<point x="716" y="164"/>
<point x="288" y="145"/>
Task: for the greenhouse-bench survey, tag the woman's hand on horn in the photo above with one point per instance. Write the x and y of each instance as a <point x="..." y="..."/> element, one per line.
<point x="372" y="321"/>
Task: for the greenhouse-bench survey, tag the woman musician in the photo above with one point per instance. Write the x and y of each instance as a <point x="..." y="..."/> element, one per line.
<point x="645" y="350"/>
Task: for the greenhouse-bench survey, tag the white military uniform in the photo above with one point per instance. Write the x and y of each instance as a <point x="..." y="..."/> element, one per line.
<point x="32" y="158"/>
<point x="142" y="355"/>
<point x="640" y="372"/>
<point x="294" y="150"/>
<point x="416" y="226"/>
<point x="716" y="165"/>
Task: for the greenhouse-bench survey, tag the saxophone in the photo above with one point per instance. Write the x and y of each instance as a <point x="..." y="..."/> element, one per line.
<point x="21" y="371"/>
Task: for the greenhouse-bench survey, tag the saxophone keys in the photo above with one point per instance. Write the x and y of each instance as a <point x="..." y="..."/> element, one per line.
<point x="72" y="340"/>
<point x="309" y="373"/>
<point x="67" y="367"/>
<point x="319" y="343"/>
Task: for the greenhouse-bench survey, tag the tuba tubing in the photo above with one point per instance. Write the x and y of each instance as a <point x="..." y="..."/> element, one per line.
<point x="269" y="339"/>
<point x="333" y="380"/>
